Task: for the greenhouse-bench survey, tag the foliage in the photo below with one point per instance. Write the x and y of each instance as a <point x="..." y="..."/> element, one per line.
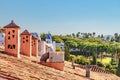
<point x="105" y="60"/>
<point x="88" y="44"/>
<point x="57" y="39"/>
<point x="79" y="59"/>
<point x="94" y="59"/>
<point x="100" y="64"/>
<point x="113" y="62"/>
<point x="67" y="54"/>
<point x="118" y="69"/>
<point x="110" y="68"/>
<point x="43" y="36"/>
<point x="72" y="56"/>
<point x="58" y="48"/>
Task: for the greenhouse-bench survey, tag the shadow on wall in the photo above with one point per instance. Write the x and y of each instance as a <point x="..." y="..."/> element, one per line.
<point x="44" y="57"/>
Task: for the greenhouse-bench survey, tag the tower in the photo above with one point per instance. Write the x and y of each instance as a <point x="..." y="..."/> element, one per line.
<point x="26" y="39"/>
<point x="12" y="39"/>
<point x="49" y="39"/>
<point x="34" y="46"/>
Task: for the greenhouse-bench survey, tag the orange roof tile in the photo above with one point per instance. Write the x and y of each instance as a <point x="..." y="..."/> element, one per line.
<point x="25" y="32"/>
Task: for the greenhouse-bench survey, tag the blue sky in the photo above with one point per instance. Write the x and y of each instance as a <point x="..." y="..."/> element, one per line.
<point x="62" y="16"/>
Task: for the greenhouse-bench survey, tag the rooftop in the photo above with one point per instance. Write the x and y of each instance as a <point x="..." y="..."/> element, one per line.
<point x="25" y="32"/>
<point x="11" y="25"/>
<point x="27" y="68"/>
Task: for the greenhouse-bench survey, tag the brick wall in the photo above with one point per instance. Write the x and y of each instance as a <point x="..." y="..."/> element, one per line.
<point x="56" y="65"/>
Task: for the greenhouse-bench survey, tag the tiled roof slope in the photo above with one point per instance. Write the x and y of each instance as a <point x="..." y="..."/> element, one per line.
<point x="25" y="32"/>
<point x="12" y="25"/>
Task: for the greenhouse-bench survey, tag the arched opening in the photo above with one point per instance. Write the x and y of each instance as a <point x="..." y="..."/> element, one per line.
<point x="9" y="46"/>
<point x="13" y="46"/>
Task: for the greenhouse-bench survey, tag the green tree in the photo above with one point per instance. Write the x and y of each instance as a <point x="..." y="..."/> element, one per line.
<point x="108" y="38"/>
<point x="78" y="35"/>
<point x="102" y="36"/>
<point x="71" y="43"/>
<point x="43" y="36"/>
<point x="67" y="53"/>
<point x="93" y="34"/>
<point x="118" y="69"/>
<point x="57" y="39"/>
<point x="73" y="34"/>
<point x="112" y="39"/>
<point x="98" y="36"/>
<point x="94" y="58"/>
<point x="58" y="48"/>
<point x="116" y="37"/>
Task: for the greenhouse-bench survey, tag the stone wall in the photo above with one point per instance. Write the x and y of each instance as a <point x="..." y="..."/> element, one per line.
<point x="56" y="57"/>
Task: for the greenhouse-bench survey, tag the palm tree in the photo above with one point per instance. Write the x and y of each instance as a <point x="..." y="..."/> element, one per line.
<point x="93" y="34"/>
<point x="116" y="37"/>
<point x="98" y="36"/>
<point x="73" y="34"/>
<point x="102" y="36"/>
<point x="108" y="38"/>
<point x="78" y="35"/>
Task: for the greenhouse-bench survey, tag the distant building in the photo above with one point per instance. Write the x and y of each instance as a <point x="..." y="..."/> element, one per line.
<point x="49" y="43"/>
<point x="48" y="39"/>
<point x="36" y="35"/>
<point x="2" y="39"/>
<point x="52" y="58"/>
<point x="1" y="30"/>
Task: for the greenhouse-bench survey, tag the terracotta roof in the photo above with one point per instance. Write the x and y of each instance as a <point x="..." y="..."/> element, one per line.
<point x="25" y="32"/>
<point x="11" y="25"/>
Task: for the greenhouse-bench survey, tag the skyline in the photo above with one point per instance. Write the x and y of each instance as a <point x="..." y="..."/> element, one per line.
<point x="63" y="17"/>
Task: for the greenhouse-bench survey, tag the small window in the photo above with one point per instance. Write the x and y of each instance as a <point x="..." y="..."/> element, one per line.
<point x="9" y="32"/>
<point x="13" y="46"/>
<point x="13" y="31"/>
<point x="23" y="41"/>
<point x="34" y="43"/>
<point x="26" y="40"/>
<point x="26" y="36"/>
<point x="8" y="37"/>
<point x="13" y="36"/>
<point x="23" y="37"/>
<point x="9" y="46"/>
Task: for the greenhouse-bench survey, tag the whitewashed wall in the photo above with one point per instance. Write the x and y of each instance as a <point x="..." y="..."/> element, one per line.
<point x="2" y="39"/>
